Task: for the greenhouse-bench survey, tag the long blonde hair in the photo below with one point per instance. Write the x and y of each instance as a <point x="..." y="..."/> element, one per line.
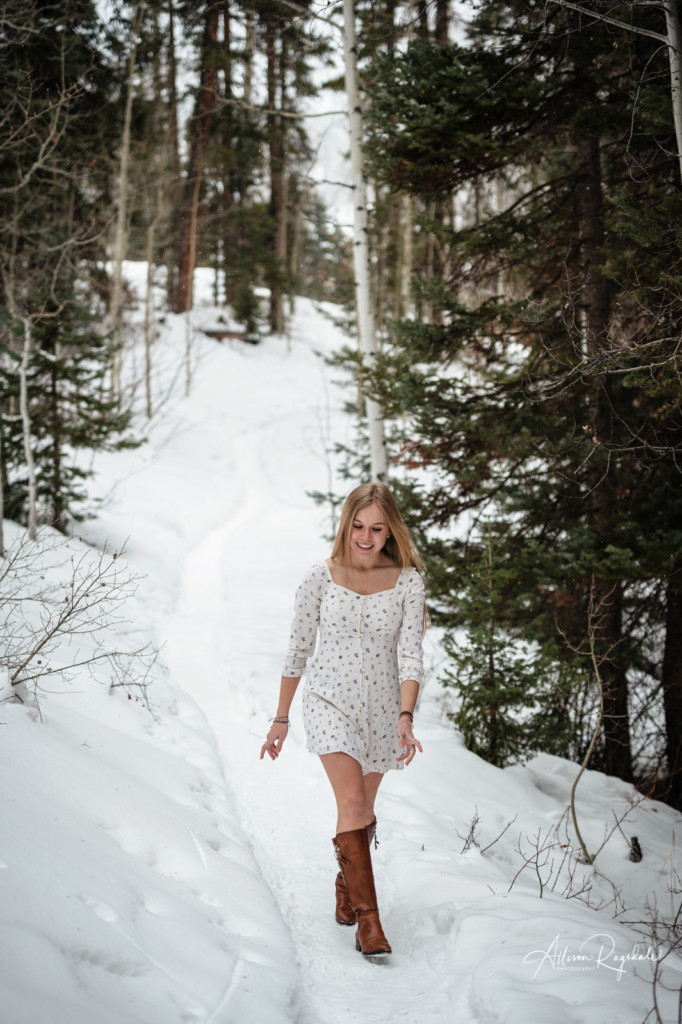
<point x="399" y="546"/>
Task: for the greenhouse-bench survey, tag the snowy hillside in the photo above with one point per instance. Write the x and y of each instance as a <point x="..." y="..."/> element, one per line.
<point x="154" y="871"/>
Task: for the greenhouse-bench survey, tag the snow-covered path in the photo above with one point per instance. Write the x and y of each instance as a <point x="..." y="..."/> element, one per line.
<point x="218" y="515"/>
<point x="226" y="643"/>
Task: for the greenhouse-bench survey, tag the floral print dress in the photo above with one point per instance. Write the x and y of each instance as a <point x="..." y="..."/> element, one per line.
<point x="368" y="645"/>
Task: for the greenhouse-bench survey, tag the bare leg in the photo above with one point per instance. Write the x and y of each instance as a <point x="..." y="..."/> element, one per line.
<point x="355" y="793"/>
<point x="372" y="783"/>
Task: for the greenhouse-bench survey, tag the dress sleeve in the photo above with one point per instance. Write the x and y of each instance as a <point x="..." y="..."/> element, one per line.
<point x="412" y="630"/>
<point x="306" y="620"/>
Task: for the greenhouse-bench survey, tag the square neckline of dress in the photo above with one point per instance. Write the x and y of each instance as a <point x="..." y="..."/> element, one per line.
<point x="386" y="590"/>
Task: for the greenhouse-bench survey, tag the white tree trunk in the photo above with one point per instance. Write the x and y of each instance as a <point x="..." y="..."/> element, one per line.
<point x="149" y="325"/>
<point x="190" y="286"/>
<point x="120" y="237"/>
<point x="26" y="425"/>
<point x="674" y="23"/>
<point x="363" y="300"/>
<point x="406" y="230"/>
<point x="2" y="509"/>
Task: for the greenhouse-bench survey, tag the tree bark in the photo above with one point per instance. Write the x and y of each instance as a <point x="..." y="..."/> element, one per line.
<point x="276" y="72"/>
<point x="249" y="50"/>
<point x="442" y="22"/>
<point x="423" y="19"/>
<point x="200" y="128"/>
<point x="404" y="281"/>
<point x="672" y="685"/>
<point x="2" y="500"/>
<point x="156" y="209"/>
<point x="673" y="41"/>
<point x="282" y="210"/>
<point x="594" y="301"/>
<point x="295" y="205"/>
<point x="172" y="159"/>
<point x="365" y="316"/>
<point x="674" y="24"/>
<point x="225" y="248"/>
<point x="121" y="232"/>
<point x="26" y="424"/>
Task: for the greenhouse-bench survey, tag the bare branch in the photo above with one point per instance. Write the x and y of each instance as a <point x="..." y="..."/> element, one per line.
<point x="613" y="21"/>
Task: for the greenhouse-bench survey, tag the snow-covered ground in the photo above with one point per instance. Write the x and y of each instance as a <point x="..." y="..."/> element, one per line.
<point x="154" y="871"/>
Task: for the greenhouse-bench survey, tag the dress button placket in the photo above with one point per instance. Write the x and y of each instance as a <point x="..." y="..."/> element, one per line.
<point x="363" y="676"/>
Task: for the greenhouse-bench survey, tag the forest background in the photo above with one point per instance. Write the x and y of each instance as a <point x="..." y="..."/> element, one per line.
<point x="524" y="228"/>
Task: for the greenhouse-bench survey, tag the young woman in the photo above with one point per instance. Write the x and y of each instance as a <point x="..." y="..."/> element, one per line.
<point x="367" y="601"/>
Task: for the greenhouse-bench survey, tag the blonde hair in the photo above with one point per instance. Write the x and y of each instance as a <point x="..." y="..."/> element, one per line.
<point x="399" y="546"/>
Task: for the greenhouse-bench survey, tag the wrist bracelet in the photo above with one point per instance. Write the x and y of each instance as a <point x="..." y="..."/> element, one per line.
<point x="282" y="719"/>
<point x="408" y="713"/>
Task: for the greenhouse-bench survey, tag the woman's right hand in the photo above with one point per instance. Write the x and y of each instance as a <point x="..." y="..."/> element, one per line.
<point x="274" y="741"/>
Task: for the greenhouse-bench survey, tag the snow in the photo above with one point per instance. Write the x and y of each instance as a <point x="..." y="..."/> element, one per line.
<point x="153" y="870"/>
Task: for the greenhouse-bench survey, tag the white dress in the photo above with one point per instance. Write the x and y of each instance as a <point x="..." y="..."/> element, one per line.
<point x="369" y="644"/>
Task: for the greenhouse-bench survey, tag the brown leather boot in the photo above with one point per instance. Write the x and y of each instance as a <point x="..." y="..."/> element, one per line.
<point x="344" y="912"/>
<point x="352" y="853"/>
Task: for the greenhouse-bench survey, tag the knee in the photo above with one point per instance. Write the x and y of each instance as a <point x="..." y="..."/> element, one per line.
<point x="354" y="803"/>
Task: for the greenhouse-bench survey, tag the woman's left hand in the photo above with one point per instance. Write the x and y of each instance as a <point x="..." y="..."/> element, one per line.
<point x="407" y="740"/>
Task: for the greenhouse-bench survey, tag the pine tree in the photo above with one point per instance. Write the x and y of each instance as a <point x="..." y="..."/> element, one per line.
<point x="526" y="407"/>
<point x="59" y="100"/>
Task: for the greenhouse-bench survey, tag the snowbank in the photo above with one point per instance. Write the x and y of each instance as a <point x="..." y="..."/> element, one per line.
<point x="155" y="870"/>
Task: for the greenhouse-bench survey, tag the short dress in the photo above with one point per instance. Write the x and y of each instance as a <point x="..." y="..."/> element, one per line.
<point x="368" y="645"/>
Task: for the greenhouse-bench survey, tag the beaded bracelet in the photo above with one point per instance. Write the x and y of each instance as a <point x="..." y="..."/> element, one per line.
<point x="409" y="715"/>
<point x="283" y="720"/>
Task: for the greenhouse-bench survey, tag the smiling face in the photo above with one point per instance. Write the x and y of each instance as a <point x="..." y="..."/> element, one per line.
<point x="369" y="532"/>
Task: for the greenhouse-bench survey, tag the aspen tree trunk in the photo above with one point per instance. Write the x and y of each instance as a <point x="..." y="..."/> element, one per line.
<point x="120" y="236"/>
<point x="382" y="230"/>
<point x="200" y="126"/>
<point x="172" y="162"/>
<point x="673" y="19"/>
<point x="249" y="50"/>
<point x="406" y="257"/>
<point x="120" y="231"/>
<point x="149" y="325"/>
<point x="26" y="427"/>
<point x="154" y="214"/>
<point x="224" y="249"/>
<point x="430" y="259"/>
<point x="436" y="208"/>
<point x="282" y="213"/>
<point x="2" y="500"/>
<point x="363" y="300"/>
<point x="276" y="77"/>
<point x="403" y="286"/>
